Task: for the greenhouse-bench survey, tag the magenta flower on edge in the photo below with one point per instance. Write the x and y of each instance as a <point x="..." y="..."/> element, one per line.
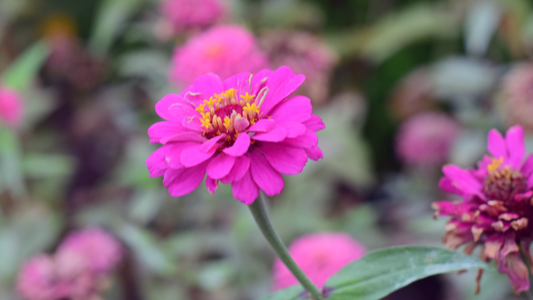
<point x="244" y="131"/>
<point x="224" y="50"/>
<point x="319" y="255"/>
<point x="11" y="107"/>
<point x="496" y="206"/>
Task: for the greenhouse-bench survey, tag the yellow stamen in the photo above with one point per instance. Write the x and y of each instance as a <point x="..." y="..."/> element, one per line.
<point x="205" y="123"/>
<point x="227" y="123"/>
<point x="201" y="108"/>
<point x="251" y="109"/>
<point x="248" y="97"/>
<point x="496" y="163"/>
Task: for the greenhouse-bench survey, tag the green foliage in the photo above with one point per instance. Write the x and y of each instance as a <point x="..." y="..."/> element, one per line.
<point x="110" y="22"/>
<point x="383" y="271"/>
<point x="22" y="72"/>
<point x="291" y="293"/>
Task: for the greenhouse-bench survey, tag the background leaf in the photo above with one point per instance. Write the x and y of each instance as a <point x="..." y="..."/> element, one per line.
<point x="21" y="73"/>
<point x="110" y="21"/>
<point x="381" y="272"/>
<point x="287" y="294"/>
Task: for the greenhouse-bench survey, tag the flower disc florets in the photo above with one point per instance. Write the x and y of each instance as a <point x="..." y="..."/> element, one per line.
<point x="497" y="210"/>
<point x="245" y="131"/>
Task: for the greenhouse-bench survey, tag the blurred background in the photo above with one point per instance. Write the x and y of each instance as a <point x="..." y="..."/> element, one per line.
<point x="403" y="86"/>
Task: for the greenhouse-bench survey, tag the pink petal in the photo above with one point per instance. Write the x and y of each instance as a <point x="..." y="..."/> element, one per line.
<point x="245" y="190"/>
<point x="267" y="178"/>
<point x="220" y="166"/>
<point x="307" y="140"/>
<point x="241" y="166"/>
<point x="240" y="82"/>
<point x="514" y="139"/>
<point x="192" y="123"/>
<point x="156" y="163"/>
<point x="297" y="108"/>
<point x="211" y="185"/>
<point x="193" y="156"/>
<point x="527" y="167"/>
<point x="314" y="123"/>
<point x="173" y="155"/>
<point x="183" y="181"/>
<point x="263" y="125"/>
<point x="285" y="159"/>
<point x="212" y="143"/>
<point x="161" y="130"/>
<point x="446" y="185"/>
<point x="260" y="80"/>
<point x="184" y="137"/>
<point x="314" y="153"/>
<point x="281" y="85"/>
<point x="161" y="107"/>
<point x="241" y="145"/>
<point x="293" y="129"/>
<point x="496" y="145"/>
<point x="463" y="180"/>
<point x="178" y="111"/>
<point x="241" y="123"/>
<point x="208" y="84"/>
<point x="277" y="134"/>
<point x="530" y="182"/>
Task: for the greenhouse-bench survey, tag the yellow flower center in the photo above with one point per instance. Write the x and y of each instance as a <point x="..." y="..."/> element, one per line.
<point x="226" y="113"/>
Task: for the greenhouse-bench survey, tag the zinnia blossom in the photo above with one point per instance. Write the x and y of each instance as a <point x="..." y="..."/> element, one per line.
<point x="518" y="93"/>
<point x="11" y="107"/>
<point x="306" y="54"/>
<point x="184" y="15"/>
<point x="36" y="280"/>
<point x="244" y="131"/>
<point x="223" y="50"/>
<point x="101" y="250"/>
<point x="78" y="270"/>
<point x="426" y="139"/>
<point x="319" y="255"/>
<point x="496" y="208"/>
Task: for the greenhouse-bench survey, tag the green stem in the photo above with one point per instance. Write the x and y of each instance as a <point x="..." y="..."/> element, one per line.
<point x="258" y="211"/>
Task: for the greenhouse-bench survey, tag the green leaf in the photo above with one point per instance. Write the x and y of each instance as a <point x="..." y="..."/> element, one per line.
<point x="110" y="21"/>
<point x="291" y="293"/>
<point x="22" y="72"/>
<point x="11" y="177"/>
<point x="383" y="271"/>
<point x="146" y="249"/>
<point x="397" y="31"/>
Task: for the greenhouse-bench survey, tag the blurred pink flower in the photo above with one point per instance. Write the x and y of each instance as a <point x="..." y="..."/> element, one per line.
<point x="11" y="107"/>
<point x="305" y="54"/>
<point x="100" y="250"/>
<point x="496" y="207"/>
<point x="37" y="279"/>
<point x="184" y="15"/>
<point x="518" y="92"/>
<point x="223" y="50"/>
<point x="244" y="131"/>
<point x="426" y="139"/>
<point x="319" y="255"/>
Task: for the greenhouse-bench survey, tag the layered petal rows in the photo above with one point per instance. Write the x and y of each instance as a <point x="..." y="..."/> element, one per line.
<point x="245" y="131"/>
<point x="497" y="207"/>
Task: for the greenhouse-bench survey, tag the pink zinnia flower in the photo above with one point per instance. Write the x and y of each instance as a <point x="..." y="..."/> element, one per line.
<point x="37" y="279"/>
<point x="100" y="249"/>
<point x="223" y="50"/>
<point x="426" y="139"/>
<point x="496" y="209"/>
<point x="243" y="131"/>
<point x="306" y="54"/>
<point x="184" y="15"/>
<point x="319" y="255"/>
<point x="518" y="92"/>
<point x="11" y="107"/>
